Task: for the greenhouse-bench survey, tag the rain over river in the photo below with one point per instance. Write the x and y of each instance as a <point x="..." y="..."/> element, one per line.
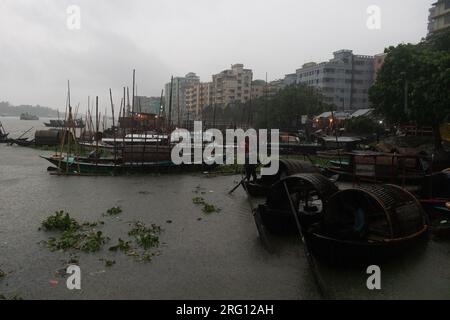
<point x="201" y="256"/>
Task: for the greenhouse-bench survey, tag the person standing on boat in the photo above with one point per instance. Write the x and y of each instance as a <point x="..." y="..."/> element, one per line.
<point x="250" y="169"/>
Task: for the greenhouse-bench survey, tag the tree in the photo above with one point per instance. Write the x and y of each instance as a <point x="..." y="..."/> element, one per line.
<point x="362" y="125"/>
<point x="413" y="84"/>
<point x="279" y="110"/>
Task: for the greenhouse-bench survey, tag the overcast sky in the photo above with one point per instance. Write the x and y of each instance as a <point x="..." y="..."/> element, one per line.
<point x="160" y="38"/>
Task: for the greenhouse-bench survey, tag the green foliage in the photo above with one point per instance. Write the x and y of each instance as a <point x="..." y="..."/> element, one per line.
<point x="198" y="200"/>
<point x="84" y="237"/>
<point x="422" y="69"/>
<point x="113" y="211"/>
<point x="210" y="208"/>
<point x="122" y="245"/>
<point x="146" y="237"/>
<point x="93" y="241"/>
<point x="73" y="235"/>
<point x="279" y="110"/>
<point x="60" y="221"/>
<point x="14" y="297"/>
<point x="2" y="274"/>
<point x="361" y="125"/>
<point x="207" y="208"/>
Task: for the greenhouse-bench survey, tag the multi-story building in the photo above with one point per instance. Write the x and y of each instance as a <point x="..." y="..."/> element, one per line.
<point x="179" y="86"/>
<point x="233" y="85"/>
<point x="259" y="88"/>
<point x="198" y="97"/>
<point x="439" y="17"/>
<point x="377" y="63"/>
<point x="275" y="86"/>
<point x="290" y="79"/>
<point x="343" y="80"/>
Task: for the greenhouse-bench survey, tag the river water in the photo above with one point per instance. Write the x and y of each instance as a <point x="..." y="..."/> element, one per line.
<point x="216" y="256"/>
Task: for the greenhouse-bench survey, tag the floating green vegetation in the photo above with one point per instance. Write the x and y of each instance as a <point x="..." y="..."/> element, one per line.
<point x="123" y="246"/>
<point x="87" y="241"/>
<point x="198" y="200"/>
<point x="114" y="211"/>
<point x="73" y="234"/>
<point x="14" y="297"/>
<point x="207" y="208"/>
<point x="210" y="208"/>
<point x="2" y="274"/>
<point x="147" y="256"/>
<point x="93" y="241"/>
<point x="60" y="221"/>
<point x="108" y="263"/>
<point x="146" y="237"/>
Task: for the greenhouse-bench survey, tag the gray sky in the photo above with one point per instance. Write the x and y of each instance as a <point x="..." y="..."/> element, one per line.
<point x="38" y="53"/>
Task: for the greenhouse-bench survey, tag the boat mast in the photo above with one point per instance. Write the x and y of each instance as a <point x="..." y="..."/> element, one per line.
<point x="170" y="107"/>
<point x="96" y="133"/>
<point x="113" y="126"/>
<point x="178" y="101"/>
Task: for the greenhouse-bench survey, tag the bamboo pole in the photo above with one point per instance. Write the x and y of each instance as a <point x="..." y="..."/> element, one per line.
<point x="96" y="133"/>
<point x="170" y="111"/>
<point x="113" y="127"/>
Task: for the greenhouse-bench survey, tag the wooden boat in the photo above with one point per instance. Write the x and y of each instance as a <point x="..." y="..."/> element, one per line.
<point x="84" y="166"/>
<point x="27" y="116"/>
<point x="23" y="142"/>
<point x="309" y="193"/>
<point x="261" y="187"/>
<point x="368" y="224"/>
<point x="358" y="225"/>
<point x="381" y="167"/>
<point x="77" y="123"/>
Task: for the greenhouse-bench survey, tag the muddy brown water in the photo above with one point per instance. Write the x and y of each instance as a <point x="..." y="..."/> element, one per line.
<point x="216" y="256"/>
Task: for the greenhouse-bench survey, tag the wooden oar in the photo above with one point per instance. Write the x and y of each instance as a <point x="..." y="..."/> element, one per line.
<point x="234" y="189"/>
<point x="307" y="252"/>
<point x="25" y="133"/>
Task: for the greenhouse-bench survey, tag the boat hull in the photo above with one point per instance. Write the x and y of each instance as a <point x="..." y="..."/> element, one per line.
<point x="256" y="190"/>
<point x="350" y="252"/>
<point x="71" y="166"/>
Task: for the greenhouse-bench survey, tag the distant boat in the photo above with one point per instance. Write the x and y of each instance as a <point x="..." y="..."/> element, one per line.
<point x="3" y="134"/>
<point x="27" y="116"/>
<point x="77" y="123"/>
